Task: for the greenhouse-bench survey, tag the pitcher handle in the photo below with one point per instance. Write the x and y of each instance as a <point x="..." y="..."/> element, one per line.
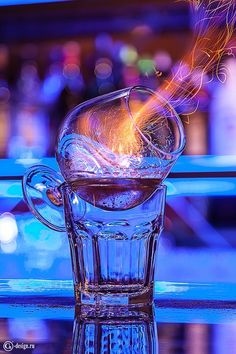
<point x="42" y="195"/>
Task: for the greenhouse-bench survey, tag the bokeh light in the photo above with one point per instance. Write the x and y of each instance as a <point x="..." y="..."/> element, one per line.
<point x="8" y="228"/>
<point x="103" y="68"/>
<point x="128" y="54"/>
<point x="9" y="247"/>
<point x="163" y="61"/>
<point x="146" y="65"/>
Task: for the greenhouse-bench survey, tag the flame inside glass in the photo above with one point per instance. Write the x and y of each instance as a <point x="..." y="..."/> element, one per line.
<point x="116" y="149"/>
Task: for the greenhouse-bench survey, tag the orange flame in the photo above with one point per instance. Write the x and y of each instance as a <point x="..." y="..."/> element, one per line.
<point x="113" y="126"/>
<point x="213" y="31"/>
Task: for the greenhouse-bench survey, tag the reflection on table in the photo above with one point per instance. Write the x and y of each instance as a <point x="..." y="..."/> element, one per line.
<point x="186" y="318"/>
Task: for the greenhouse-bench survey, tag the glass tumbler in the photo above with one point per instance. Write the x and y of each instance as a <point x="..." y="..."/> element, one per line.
<point x="113" y="152"/>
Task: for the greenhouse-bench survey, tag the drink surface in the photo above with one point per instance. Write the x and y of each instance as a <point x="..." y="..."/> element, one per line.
<point x="115" y="193"/>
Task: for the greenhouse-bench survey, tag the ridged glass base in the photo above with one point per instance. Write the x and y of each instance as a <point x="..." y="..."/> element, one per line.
<point x="98" y="303"/>
<point x="103" y="311"/>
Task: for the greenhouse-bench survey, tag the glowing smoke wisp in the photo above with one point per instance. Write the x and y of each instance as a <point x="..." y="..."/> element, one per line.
<point x="213" y="30"/>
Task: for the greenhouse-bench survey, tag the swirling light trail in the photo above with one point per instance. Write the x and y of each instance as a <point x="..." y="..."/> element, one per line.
<point x="213" y="30"/>
<point x="214" y="27"/>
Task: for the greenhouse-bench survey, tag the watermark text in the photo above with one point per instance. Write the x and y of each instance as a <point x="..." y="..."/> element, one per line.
<point x="8" y="346"/>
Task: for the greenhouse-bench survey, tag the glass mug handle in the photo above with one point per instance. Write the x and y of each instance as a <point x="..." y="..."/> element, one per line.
<point x="42" y="194"/>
